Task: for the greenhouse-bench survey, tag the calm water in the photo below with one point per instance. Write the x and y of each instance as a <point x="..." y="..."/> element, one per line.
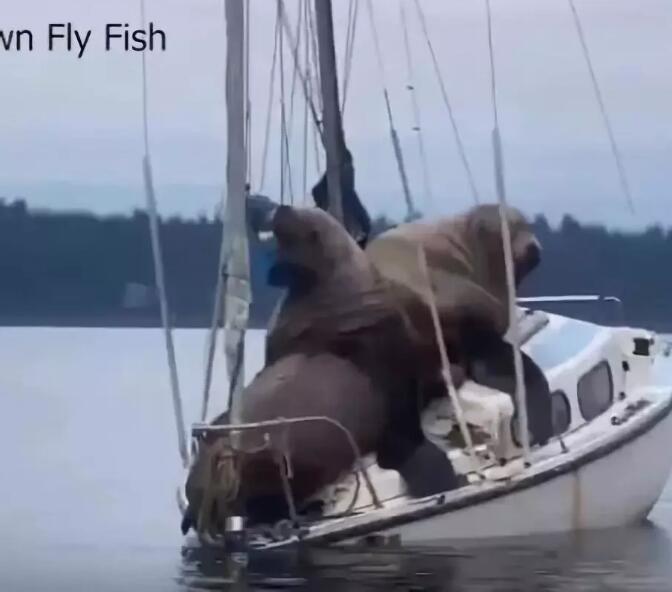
<point x="90" y="466"/>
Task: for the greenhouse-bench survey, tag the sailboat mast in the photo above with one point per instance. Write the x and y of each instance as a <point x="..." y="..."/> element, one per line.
<point x="331" y="116"/>
<point x="236" y="261"/>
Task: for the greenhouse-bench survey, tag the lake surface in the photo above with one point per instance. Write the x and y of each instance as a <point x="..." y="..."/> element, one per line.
<point x="90" y="469"/>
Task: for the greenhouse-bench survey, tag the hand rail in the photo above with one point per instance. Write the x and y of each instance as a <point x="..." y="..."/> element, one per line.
<point x="201" y="429"/>
<point x="576" y="299"/>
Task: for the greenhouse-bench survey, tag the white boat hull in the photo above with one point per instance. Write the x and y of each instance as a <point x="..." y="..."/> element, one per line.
<point x="607" y="471"/>
<point x="612" y="491"/>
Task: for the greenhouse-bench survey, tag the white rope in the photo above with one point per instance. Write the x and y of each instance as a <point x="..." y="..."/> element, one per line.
<point x="215" y="319"/>
<point x="417" y="125"/>
<point x="396" y="145"/>
<point x="521" y="394"/>
<point x="158" y="267"/>
<point x="443" y="353"/>
<point x="623" y="178"/>
<point x="446" y="101"/>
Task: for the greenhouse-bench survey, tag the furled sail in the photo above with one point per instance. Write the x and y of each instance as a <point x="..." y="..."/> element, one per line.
<point x="236" y="260"/>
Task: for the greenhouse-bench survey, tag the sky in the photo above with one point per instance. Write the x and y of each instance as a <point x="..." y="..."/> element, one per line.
<point x="72" y="128"/>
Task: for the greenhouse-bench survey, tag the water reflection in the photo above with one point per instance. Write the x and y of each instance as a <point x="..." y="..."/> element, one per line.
<point x="636" y="558"/>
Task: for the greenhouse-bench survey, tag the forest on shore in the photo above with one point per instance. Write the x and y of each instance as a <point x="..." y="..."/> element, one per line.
<point x="78" y="269"/>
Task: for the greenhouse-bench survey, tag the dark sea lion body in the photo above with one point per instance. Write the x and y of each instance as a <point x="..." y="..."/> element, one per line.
<point x="342" y="304"/>
<point x="467" y="271"/>
<point x="296" y="386"/>
<point x="339" y="348"/>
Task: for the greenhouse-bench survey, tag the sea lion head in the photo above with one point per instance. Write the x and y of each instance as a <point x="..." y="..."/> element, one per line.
<point x="310" y="245"/>
<point x="485" y="227"/>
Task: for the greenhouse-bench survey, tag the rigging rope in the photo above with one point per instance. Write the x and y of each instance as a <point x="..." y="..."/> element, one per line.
<point x="417" y="126"/>
<point x="286" y="131"/>
<point x="521" y="394"/>
<point x="248" y="106"/>
<point x="443" y="353"/>
<point x="446" y="101"/>
<point x="297" y="65"/>
<point x="295" y="71"/>
<point x="158" y="266"/>
<point x="315" y="68"/>
<point x="314" y="83"/>
<point x="353" y="12"/>
<point x="214" y="325"/>
<point x="283" y="121"/>
<point x="396" y="145"/>
<point x="269" y="108"/>
<point x="623" y="179"/>
<point x="306" y="44"/>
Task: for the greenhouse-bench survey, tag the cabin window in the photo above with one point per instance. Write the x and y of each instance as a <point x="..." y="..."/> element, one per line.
<point x="595" y="391"/>
<point x="561" y="412"/>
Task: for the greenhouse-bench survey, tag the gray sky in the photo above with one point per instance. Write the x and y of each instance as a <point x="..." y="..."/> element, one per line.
<point x="72" y="128"/>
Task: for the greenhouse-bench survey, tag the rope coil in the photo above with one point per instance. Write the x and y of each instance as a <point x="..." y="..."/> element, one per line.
<point x="224" y="459"/>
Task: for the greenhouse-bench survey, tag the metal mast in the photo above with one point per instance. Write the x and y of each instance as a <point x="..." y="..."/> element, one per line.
<point x="331" y="115"/>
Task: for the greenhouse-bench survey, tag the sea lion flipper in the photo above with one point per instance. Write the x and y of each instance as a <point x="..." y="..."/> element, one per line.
<point x="425" y="468"/>
<point x="428" y="471"/>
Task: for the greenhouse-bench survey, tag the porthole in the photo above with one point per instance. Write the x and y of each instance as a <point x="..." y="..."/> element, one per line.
<point x="595" y="391"/>
<point x="561" y="412"/>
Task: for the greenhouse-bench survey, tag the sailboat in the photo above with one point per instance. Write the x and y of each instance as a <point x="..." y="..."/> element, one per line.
<point x="605" y="466"/>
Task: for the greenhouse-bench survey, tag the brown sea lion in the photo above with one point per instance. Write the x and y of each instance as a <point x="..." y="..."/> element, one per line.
<point x="339" y="348"/>
<point x="465" y="262"/>
<point x="338" y="302"/>
<point x="466" y="266"/>
<point x="333" y="290"/>
<point x="297" y="385"/>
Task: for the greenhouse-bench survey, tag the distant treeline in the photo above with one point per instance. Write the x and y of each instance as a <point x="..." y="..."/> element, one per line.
<point x="83" y="270"/>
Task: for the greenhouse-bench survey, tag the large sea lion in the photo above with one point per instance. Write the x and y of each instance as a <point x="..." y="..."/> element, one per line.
<point x="467" y="271"/>
<point x="295" y="386"/>
<point x="333" y="291"/>
<point x="338" y="302"/>
<point x="340" y="348"/>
